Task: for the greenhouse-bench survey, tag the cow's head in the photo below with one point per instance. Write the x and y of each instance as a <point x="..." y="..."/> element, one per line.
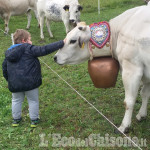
<point x="74" y="12"/>
<point x="75" y="50"/>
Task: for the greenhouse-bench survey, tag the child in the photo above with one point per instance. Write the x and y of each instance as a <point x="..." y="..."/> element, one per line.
<point x="22" y="70"/>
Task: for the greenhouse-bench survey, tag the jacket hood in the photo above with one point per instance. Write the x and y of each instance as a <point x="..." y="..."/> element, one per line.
<point x="14" y="53"/>
<point x="13" y="46"/>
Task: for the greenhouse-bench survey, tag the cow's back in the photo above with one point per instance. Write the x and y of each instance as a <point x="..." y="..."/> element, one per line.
<point x="51" y="8"/>
<point x="138" y="24"/>
<point x="132" y="31"/>
<point x="14" y="7"/>
<point x="54" y="10"/>
<point x="133" y="23"/>
<point x="32" y="3"/>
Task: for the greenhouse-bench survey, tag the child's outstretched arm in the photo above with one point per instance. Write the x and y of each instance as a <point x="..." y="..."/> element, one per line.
<point x="47" y="49"/>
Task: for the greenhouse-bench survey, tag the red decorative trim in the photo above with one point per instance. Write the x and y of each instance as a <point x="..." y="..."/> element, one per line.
<point x="100" y="34"/>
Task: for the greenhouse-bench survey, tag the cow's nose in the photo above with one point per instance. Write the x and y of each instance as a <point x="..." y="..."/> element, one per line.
<point x="72" y="20"/>
<point x="55" y="58"/>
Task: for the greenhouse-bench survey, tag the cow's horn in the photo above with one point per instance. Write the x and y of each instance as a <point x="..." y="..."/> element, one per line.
<point x="81" y="26"/>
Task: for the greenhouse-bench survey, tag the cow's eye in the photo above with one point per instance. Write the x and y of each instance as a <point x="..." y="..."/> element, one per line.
<point x="76" y="11"/>
<point x="72" y="41"/>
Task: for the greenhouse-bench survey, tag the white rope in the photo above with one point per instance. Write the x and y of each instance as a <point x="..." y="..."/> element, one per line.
<point x="8" y="35"/>
<point x="12" y="39"/>
<point x="91" y="104"/>
<point x="4" y="32"/>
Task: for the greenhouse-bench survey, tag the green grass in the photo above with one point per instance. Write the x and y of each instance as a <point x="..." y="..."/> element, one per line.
<point x="61" y="109"/>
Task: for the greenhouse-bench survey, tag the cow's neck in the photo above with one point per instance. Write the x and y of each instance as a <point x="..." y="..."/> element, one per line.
<point x="96" y="52"/>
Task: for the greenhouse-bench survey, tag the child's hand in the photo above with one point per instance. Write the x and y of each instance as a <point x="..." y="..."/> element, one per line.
<point x="64" y="40"/>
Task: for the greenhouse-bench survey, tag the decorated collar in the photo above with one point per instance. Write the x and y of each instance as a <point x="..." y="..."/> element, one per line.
<point x="100" y="34"/>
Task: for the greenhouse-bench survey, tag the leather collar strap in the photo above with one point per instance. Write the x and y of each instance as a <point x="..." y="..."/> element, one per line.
<point x="90" y="50"/>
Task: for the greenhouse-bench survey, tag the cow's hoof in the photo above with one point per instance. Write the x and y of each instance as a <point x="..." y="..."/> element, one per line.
<point x="140" y="118"/>
<point x="5" y="32"/>
<point x="123" y="129"/>
<point x="42" y="37"/>
<point x="42" y="41"/>
<point x="116" y="131"/>
<point x="27" y="28"/>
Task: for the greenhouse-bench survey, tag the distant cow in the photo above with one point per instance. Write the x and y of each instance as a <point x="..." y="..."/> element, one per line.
<point x="146" y="1"/>
<point x="10" y="8"/>
<point x="67" y="11"/>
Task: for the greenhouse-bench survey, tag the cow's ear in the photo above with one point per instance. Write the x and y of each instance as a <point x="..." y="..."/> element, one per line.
<point x="80" y="8"/>
<point x="81" y="43"/>
<point x="66" y="7"/>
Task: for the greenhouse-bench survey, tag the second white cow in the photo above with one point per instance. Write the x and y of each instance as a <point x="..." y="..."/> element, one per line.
<point x="67" y="11"/>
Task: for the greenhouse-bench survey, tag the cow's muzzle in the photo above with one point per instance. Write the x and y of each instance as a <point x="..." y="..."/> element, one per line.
<point x="73" y="23"/>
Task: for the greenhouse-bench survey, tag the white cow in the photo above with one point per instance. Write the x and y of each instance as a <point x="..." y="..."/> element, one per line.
<point x="67" y="11"/>
<point x="10" y="8"/>
<point x="130" y="45"/>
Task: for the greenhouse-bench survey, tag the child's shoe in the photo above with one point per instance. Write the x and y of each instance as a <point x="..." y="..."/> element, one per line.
<point x="16" y="122"/>
<point x="34" y="123"/>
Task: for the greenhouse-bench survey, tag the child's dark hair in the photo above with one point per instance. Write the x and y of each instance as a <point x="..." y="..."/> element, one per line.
<point x="20" y="35"/>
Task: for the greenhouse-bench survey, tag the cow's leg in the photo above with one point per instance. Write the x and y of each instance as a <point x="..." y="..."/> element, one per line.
<point x="6" y="20"/>
<point x="131" y="75"/>
<point x="145" y="94"/>
<point x="48" y="27"/>
<point x="37" y="17"/>
<point x="67" y="26"/>
<point x="29" y="16"/>
<point x="41" y="17"/>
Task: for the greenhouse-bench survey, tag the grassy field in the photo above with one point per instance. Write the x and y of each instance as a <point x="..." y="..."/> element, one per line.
<point x="62" y="111"/>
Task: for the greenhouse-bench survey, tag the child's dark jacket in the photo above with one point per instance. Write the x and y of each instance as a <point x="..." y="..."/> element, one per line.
<point x="21" y="67"/>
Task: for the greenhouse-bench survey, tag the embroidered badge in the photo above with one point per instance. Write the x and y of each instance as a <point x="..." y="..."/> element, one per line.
<point x="100" y="33"/>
